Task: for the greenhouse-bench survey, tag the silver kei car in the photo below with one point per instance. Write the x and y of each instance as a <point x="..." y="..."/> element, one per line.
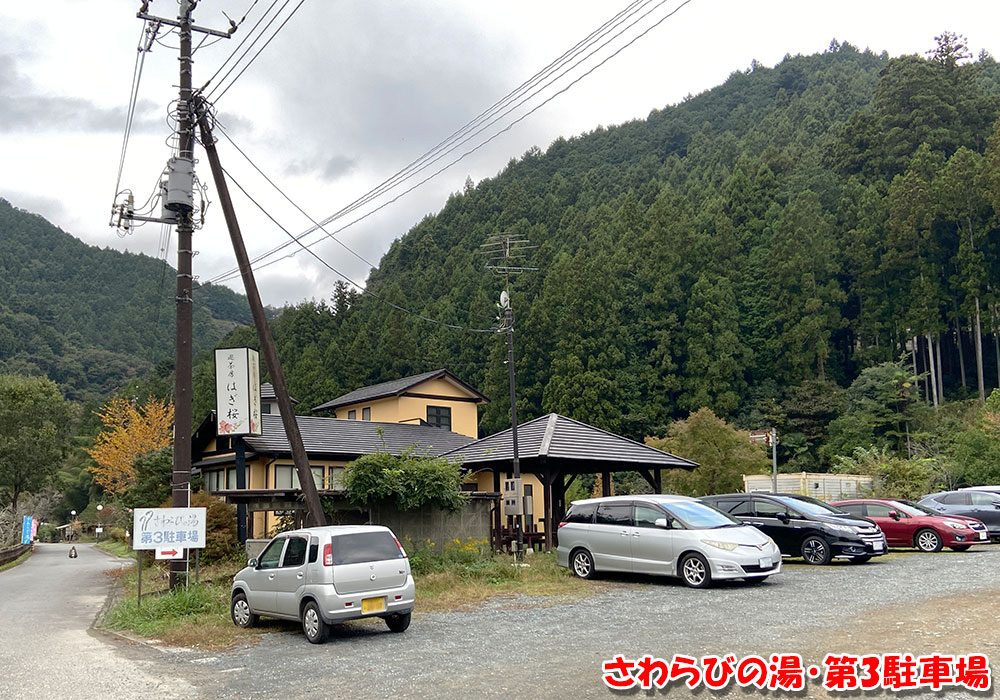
<point x="325" y="575"/>
<point x="666" y="535"/>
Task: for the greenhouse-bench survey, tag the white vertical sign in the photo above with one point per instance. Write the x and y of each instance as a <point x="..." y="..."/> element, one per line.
<point x="237" y="391"/>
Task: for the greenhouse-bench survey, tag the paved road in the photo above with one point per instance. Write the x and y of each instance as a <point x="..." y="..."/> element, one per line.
<point x="559" y="645"/>
<point x="47" y="649"/>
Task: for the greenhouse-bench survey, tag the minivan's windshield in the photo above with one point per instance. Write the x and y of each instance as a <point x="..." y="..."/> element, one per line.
<point x="700" y="516"/>
<point x="808" y="505"/>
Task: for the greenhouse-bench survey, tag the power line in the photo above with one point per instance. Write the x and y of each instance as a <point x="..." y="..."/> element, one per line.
<point x="347" y="279"/>
<point x="140" y="61"/>
<point x="240" y="45"/>
<point x="399" y="180"/>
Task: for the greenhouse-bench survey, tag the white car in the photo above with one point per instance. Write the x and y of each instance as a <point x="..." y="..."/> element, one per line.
<point x="666" y="535"/>
<point x="325" y="575"/>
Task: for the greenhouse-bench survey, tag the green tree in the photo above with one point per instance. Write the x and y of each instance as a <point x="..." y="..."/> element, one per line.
<point x="724" y="454"/>
<point x="35" y="426"/>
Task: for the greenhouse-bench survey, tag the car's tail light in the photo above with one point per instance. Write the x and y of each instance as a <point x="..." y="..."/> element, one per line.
<point x="401" y="550"/>
<point x="562" y="523"/>
<point x="328" y="554"/>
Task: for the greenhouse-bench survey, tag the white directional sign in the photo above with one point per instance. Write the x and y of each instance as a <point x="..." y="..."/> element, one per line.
<point x="167" y="529"/>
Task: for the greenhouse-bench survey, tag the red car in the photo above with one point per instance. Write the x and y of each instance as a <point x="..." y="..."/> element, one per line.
<point x="908" y="524"/>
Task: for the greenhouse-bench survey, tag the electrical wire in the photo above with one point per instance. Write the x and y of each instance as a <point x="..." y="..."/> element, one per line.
<point x="140" y="61"/>
<point x="240" y="45"/>
<point x="347" y="279"/>
<point x="367" y="198"/>
<point x="219" y="96"/>
<point x="426" y="160"/>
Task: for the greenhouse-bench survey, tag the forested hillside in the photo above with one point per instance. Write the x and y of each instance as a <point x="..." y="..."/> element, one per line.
<point x="91" y="319"/>
<point x="752" y="249"/>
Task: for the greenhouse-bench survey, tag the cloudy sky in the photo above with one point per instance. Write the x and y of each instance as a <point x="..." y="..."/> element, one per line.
<point x="351" y="92"/>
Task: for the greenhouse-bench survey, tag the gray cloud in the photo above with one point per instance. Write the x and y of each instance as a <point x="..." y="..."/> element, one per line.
<point x="327" y="168"/>
<point x="23" y="107"/>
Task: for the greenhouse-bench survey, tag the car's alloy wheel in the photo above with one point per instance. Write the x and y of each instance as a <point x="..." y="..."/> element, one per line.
<point x="583" y="564"/>
<point x="816" y="550"/>
<point x="695" y="571"/>
<point x="313" y="625"/>
<point x="928" y="541"/>
<point x="241" y="613"/>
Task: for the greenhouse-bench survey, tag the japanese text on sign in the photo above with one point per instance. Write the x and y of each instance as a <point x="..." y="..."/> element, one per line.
<point x="155" y="527"/>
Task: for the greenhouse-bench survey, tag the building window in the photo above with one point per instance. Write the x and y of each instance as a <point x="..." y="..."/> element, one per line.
<point x="352" y="415"/>
<point x="265" y="408"/>
<point x="231" y="478"/>
<point x="366" y="414"/>
<point x="439" y="417"/>
<point x="283" y="477"/>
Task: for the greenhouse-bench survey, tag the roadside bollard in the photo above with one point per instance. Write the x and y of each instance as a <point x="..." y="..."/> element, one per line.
<point x="72" y="552"/>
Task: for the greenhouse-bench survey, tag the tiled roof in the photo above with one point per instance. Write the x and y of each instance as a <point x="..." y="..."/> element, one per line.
<point x="267" y="393"/>
<point x="352" y="438"/>
<point x="394" y="388"/>
<point x="559" y="437"/>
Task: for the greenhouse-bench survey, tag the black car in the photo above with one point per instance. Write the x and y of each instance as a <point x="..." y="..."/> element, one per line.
<point x="803" y="526"/>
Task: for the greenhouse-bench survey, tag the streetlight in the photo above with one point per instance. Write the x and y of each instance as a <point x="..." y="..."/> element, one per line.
<point x="72" y="531"/>
<point x="99" y="528"/>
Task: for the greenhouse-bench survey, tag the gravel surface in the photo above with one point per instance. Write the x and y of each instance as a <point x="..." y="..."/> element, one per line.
<point x="898" y="603"/>
<point x="559" y="647"/>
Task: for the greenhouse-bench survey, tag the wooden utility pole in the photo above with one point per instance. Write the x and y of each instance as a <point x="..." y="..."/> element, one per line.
<point x="181" y="480"/>
<point x="288" y="420"/>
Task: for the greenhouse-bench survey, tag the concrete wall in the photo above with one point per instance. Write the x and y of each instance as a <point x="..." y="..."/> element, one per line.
<point x="437" y="525"/>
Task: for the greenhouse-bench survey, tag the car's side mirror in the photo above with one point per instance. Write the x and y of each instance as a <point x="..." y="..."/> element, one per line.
<point x="252" y="563"/>
<point x="894" y="515"/>
<point x="783" y="517"/>
<point x="662" y="522"/>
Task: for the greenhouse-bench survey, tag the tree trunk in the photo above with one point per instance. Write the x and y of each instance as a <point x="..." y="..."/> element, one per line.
<point x="979" y="355"/>
<point x="930" y="364"/>
<point x="940" y="374"/>
<point x="958" y="342"/>
<point x="916" y="372"/>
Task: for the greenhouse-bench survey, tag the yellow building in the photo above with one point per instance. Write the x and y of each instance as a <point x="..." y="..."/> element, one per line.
<point x="434" y="412"/>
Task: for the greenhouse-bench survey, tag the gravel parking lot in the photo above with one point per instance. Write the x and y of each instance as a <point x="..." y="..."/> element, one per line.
<point x="546" y="648"/>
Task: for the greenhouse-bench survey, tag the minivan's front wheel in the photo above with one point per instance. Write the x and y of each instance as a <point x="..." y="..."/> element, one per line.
<point x="313" y="625"/>
<point x="695" y="571"/>
<point x="583" y="564"/>
<point x="816" y="550"/>
<point x="240" y="610"/>
<point x="398" y="623"/>
<point x="928" y="541"/>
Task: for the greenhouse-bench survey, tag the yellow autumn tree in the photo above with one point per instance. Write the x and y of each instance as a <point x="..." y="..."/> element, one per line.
<point x="130" y="431"/>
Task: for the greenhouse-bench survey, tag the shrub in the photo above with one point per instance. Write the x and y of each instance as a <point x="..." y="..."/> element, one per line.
<point x="409" y="480"/>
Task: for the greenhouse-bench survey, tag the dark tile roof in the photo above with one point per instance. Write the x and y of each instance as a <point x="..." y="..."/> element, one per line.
<point x="394" y="388"/>
<point x="559" y="437"/>
<point x="267" y="393"/>
<point x="352" y="438"/>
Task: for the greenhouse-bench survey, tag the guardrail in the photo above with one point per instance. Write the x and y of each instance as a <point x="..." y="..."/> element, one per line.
<point x="9" y="555"/>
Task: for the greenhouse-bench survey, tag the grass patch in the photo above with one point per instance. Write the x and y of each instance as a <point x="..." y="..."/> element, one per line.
<point x="19" y="560"/>
<point x="454" y="577"/>
<point x="118" y="549"/>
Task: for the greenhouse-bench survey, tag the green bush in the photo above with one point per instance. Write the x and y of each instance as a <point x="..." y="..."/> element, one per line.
<point x="409" y="480"/>
<point x="48" y="533"/>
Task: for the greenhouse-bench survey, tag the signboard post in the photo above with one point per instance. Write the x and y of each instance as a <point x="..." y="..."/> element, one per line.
<point x="769" y="436"/>
<point x="26" y="529"/>
<point x="237" y="391"/>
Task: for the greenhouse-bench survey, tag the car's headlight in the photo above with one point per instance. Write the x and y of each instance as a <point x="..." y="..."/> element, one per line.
<point x="844" y="528"/>
<point x="728" y="546"/>
<point x="957" y="526"/>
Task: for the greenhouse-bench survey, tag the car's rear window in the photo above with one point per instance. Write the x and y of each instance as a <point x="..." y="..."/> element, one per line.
<point x="363" y="547"/>
<point x="581" y="513"/>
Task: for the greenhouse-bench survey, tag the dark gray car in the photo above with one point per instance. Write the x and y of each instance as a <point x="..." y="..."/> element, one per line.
<point x="981" y="505"/>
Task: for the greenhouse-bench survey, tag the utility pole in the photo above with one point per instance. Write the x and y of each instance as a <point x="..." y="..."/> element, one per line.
<point x="505" y="248"/>
<point x="299" y="456"/>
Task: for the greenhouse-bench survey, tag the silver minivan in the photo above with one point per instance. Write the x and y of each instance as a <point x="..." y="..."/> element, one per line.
<point x="666" y="535"/>
<point x="325" y="575"/>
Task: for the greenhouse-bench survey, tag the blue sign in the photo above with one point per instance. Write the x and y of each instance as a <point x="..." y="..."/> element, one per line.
<point x="26" y="530"/>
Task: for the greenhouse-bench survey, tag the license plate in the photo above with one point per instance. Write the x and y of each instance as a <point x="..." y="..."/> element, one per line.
<point x="878" y="546"/>
<point x="765" y="563"/>
<point x="372" y="605"/>
<point x="982" y="535"/>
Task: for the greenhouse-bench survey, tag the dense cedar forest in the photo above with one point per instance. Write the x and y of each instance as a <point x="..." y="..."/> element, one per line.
<point x="92" y="319"/>
<point x="752" y="249"/>
<point x="789" y="248"/>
